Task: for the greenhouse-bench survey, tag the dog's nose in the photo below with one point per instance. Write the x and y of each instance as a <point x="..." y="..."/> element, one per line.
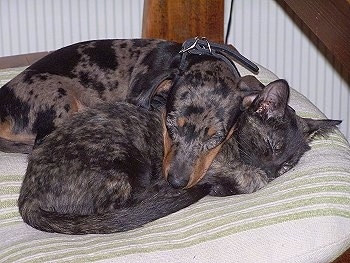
<point x="177" y="181"/>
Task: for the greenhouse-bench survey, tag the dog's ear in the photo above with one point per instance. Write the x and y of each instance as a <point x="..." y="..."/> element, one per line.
<point x="272" y="101"/>
<point x="159" y="94"/>
<point x="150" y="93"/>
<point x="251" y="87"/>
<point x="250" y="83"/>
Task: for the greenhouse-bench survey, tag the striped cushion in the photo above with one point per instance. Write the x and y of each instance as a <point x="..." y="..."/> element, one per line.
<point x="303" y="216"/>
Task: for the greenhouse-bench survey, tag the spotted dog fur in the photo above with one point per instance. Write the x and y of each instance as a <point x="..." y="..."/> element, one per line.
<point x="83" y="74"/>
<point x="143" y="72"/>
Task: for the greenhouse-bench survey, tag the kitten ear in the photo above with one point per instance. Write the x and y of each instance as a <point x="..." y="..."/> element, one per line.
<point x="272" y="101"/>
<point x="312" y="128"/>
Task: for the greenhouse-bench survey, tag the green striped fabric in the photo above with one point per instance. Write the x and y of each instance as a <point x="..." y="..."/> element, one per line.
<point x="303" y="216"/>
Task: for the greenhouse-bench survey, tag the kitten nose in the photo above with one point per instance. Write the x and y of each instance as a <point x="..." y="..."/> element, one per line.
<point x="176" y="181"/>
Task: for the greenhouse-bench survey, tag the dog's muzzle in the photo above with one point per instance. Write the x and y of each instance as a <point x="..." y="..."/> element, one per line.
<point x="187" y="174"/>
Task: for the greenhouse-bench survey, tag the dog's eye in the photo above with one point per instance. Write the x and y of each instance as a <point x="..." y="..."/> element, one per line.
<point x="172" y="131"/>
<point x="170" y="121"/>
<point x="214" y="141"/>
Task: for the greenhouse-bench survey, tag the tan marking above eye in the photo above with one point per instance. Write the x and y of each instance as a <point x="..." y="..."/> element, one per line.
<point x="181" y="121"/>
<point x="211" y="131"/>
<point x="164" y="86"/>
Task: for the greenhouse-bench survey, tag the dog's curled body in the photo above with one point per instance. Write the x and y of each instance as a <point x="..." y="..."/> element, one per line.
<point x="86" y="73"/>
<point x="143" y="72"/>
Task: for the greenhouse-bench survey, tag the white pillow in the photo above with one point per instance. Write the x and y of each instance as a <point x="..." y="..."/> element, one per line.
<point x="303" y="216"/>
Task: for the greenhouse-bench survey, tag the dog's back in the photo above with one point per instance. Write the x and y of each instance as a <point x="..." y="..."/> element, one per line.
<point x="83" y="74"/>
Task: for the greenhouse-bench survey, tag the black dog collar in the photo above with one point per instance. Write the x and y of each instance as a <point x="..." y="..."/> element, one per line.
<point x="201" y="46"/>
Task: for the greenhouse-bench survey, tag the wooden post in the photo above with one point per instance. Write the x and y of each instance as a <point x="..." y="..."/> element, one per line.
<point x="178" y="20"/>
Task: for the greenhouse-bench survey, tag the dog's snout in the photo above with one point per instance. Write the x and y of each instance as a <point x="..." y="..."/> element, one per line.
<point x="176" y="181"/>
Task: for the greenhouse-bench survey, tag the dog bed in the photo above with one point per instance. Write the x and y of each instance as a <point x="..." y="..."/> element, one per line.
<point x="303" y="216"/>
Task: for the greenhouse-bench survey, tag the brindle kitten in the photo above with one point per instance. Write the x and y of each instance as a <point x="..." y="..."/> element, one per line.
<point x="101" y="171"/>
<point x="271" y="136"/>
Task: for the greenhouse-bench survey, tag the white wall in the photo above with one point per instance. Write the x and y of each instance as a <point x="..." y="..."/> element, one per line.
<point x="41" y="25"/>
<point x="261" y="30"/>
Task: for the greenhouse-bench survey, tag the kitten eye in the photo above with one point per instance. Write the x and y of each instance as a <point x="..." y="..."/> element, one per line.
<point x="278" y="146"/>
<point x="275" y="147"/>
<point x="285" y="168"/>
<point x="268" y="149"/>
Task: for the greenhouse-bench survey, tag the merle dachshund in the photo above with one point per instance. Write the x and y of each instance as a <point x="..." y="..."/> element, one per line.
<point x="85" y="74"/>
<point x="144" y="72"/>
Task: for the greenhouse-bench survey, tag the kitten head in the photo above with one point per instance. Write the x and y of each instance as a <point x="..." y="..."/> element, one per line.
<point x="271" y="136"/>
